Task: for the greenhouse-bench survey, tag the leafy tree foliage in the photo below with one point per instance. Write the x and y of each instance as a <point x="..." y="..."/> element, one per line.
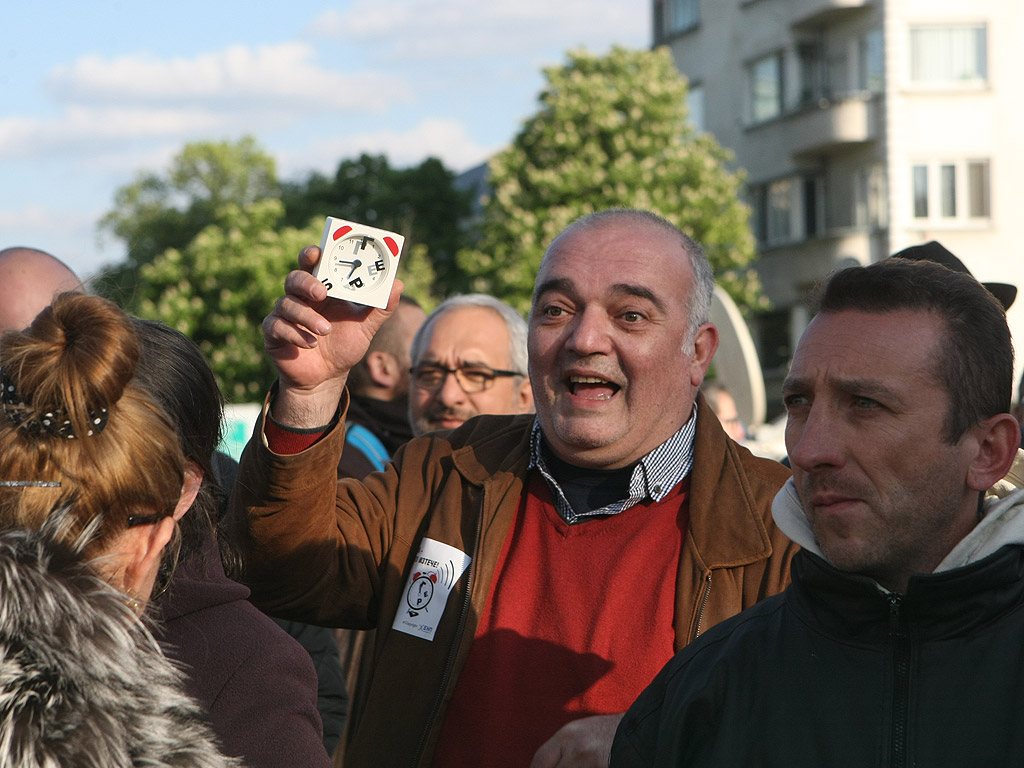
<point x="612" y="131"/>
<point x="161" y="211"/>
<point x="220" y="286"/>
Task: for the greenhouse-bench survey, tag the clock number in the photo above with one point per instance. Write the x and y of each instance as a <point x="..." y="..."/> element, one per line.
<point x="357" y="283"/>
<point x="327" y="284"/>
<point x="379" y="264"/>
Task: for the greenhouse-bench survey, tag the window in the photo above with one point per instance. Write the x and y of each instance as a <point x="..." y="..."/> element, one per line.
<point x="680" y="15"/>
<point x="920" y="191"/>
<point x="695" y="107"/>
<point x="949" y="55"/>
<point x="871" y="62"/>
<point x="773" y="211"/>
<point x="870" y="198"/>
<point x="978" y="190"/>
<point x="766" y="88"/>
<point x="812" y="76"/>
<point x="952" y="192"/>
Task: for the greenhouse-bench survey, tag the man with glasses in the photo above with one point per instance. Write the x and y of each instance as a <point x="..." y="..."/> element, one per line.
<point x="469" y="358"/>
<point x="528" y="575"/>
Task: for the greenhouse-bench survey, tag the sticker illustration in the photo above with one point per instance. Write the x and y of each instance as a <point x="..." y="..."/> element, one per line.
<point x="436" y="570"/>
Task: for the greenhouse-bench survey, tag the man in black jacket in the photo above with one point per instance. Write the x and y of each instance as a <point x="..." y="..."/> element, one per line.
<point x="898" y="642"/>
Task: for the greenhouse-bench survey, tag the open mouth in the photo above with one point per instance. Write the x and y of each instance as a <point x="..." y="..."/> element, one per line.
<point x="591" y="388"/>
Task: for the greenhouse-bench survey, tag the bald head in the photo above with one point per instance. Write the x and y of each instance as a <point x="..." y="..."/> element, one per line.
<point x="29" y="279"/>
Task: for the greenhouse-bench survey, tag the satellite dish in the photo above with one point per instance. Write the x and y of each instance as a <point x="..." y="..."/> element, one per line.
<point x="736" y="362"/>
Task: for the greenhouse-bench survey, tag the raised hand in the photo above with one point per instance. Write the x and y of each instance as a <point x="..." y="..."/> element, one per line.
<point x="314" y="341"/>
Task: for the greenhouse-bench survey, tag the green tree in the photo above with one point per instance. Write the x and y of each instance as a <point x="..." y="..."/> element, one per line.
<point x="220" y="286"/>
<point x="612" y="132"/>
<point x="161" y="211"/>
<point x="420" y="203"/>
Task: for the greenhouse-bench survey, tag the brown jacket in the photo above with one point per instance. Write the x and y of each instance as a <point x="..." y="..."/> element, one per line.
<point x="337" y="552"/>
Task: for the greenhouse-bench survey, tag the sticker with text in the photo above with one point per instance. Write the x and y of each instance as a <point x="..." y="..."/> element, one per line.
<point x="436" y="569"/>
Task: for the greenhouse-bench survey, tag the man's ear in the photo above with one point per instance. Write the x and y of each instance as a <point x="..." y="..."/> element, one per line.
<point x="998" y="439"/>
<point x="384" y="369"/>
<point x="524" y="396"/>
<point x="189" y="489"/>
<point x="705" y="343"/>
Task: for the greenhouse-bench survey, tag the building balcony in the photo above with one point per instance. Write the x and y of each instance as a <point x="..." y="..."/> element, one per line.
<point x="823" y="127"/>
<point x="813" y="14"/>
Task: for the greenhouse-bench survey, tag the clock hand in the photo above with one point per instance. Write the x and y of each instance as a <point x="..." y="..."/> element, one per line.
<point x="354" y="264"/>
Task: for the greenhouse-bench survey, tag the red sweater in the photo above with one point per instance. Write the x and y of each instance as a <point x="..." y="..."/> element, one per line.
<point x="577" y="623"/>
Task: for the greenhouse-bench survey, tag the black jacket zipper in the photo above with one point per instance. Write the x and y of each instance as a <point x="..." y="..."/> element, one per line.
<point x="900" y="682"/>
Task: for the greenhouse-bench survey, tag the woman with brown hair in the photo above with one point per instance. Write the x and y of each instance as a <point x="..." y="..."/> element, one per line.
<point x="91" y="481"/>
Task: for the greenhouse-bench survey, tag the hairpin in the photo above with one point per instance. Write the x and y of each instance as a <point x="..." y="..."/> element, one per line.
<point x="52" y="421"/>
<point x="29" y="484"/>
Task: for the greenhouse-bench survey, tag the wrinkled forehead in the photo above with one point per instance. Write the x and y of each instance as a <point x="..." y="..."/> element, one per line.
<point x="615" y="252"/>
<point x="465" y="335"/>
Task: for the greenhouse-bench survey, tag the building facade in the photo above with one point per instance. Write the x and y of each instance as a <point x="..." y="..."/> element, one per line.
<point x="864" y="126"/>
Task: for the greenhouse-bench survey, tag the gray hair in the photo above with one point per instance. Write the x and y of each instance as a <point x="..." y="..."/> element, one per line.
<point x="699" y="309"/>
<point x="514" y="322"/>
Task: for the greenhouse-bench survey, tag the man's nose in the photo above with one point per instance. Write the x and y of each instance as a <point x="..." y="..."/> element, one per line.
<point x="814" y="439"/>
<point x="590" y="332"/>
<point x="451" y="392"/>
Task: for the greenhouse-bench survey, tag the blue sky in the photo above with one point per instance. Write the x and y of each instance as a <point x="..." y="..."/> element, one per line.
<point x="94" y="92"/>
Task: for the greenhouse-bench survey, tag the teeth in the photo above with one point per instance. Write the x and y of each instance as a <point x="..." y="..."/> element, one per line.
<point x="586" y="380"/>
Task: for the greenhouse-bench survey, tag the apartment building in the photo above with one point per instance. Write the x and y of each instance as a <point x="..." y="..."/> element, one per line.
<point x="864" y="126"/>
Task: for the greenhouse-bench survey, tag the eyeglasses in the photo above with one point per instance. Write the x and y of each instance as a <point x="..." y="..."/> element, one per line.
<point x="472" y="378"/>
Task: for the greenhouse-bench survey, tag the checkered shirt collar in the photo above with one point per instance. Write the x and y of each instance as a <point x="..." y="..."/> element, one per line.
<point x="653" y="478"/>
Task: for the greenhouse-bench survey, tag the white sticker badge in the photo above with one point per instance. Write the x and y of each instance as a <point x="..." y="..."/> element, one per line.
<point x="435" y="571"/>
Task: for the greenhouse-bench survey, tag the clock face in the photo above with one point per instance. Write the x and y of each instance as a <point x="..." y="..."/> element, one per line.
<point x="357" y="262"/>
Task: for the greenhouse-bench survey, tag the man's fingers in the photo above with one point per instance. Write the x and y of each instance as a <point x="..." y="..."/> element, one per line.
<point x="308" y="257"/>
<point x="298" y="312"/>
<point x="304" y="286"/>
<point x="279" y="332"/>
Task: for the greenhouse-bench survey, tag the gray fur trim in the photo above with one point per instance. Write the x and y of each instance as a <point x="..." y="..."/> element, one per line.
<point x="82" y="681"/>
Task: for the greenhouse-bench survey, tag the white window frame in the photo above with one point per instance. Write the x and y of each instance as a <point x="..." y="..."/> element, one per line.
<point x="759" y="115"/>
<point x="953" y="48"/>
<point x="952" y="192"/>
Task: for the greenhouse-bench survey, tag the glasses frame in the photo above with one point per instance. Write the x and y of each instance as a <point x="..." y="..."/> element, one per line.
<point x="458" y="373"/>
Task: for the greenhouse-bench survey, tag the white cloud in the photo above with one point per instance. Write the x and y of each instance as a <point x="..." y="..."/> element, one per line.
<point x="238" y="90"/>
<point x="273" y="76"/>
<point x="456" y="29"/>
<point x="69" y="234"/>
<point x="445" y="139"/>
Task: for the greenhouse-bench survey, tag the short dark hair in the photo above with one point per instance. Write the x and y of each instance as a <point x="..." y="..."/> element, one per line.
<point x="974" y="364"/>
<point x="175" y="373"/>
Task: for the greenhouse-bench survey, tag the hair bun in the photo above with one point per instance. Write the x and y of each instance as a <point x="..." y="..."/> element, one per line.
<point x="70" y="367"/>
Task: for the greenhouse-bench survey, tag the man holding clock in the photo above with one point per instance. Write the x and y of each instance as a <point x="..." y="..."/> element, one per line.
<point x="528" y="574"/>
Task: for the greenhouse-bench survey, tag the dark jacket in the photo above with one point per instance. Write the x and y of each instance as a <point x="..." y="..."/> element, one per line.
<point x="338" y="552"/>
<point x="838" y="672"/>
<point x="256" y="682"/>
<point x="82" y="681"/>
<point x="387" y="421"/>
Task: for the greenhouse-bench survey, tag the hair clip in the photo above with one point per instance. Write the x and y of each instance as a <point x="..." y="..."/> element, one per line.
<point x="52" y="421"/>
<point x="29" y="484"/>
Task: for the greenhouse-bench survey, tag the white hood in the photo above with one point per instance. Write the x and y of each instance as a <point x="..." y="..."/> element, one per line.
<point x="1002" y="523"/>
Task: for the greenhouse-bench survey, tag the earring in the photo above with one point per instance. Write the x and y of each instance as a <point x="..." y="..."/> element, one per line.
<point x="135" y="605"/>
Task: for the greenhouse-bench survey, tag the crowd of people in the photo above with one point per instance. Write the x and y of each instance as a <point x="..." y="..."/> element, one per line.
<point x="486" y="540"/>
